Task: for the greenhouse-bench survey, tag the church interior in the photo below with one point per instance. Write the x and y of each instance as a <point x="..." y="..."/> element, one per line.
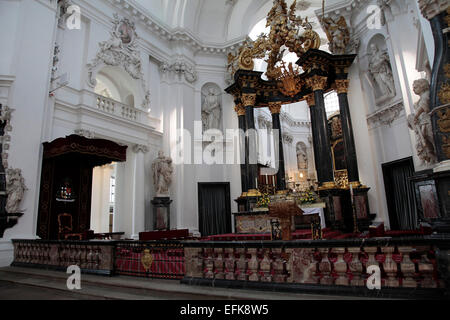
<point x="262" y="144"/>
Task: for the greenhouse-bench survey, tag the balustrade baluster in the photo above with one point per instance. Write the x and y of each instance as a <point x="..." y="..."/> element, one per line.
<point x="265" y="267"/>
<point x="218" y="263"/>
<point x="426" y="269"/>
<point x="356" y="267"/>
<point x="279" y="275"/>
<point x="229" y="264"/>
<point x="390" y="267"/>
<point x="241" y="265"/>
<point x="325" y="267"/>
<point x="253" y="264"/>
<point x="209" y="264"/>
<point x="340" y="266"/>
<point x="407" y="267"/>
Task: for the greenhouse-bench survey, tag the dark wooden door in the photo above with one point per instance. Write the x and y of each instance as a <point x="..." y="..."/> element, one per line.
<point x="214" y="208"/>
<point x="400" y="194"/>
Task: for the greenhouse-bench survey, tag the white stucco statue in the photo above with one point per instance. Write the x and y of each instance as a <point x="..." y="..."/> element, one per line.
<point x="420" y="122"/>
<point x="162" y="174"/>
<point x="211" y="110"/>
<point x="380" y="68"/>
<point x="15" y="189"/>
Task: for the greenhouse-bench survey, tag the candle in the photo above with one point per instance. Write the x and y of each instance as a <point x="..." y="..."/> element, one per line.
<point x="351" y="192"/>
<point x="256" y="183"/>
<point x="273" y="181"/>
<point x="267" y="180"/>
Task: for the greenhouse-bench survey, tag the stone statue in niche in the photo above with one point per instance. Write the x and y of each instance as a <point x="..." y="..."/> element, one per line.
<point x="302" y="157"/>
<point x="420" y="122"/>
<point x="211" y="109"/>
<point x="162" y="174"/>
<point x="381" y="70"/>
<point x="15" y="189"/>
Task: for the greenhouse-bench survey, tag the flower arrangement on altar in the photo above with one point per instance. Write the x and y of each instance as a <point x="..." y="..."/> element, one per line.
<point x="307" y="197"/>
<point x="263" y="201"/>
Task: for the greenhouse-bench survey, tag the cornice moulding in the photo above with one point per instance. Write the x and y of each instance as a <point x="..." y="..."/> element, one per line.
<point x="141" y="15"/>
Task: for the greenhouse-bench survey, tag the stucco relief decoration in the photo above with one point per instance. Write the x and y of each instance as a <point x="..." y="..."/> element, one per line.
<point x="380" y="70"/>
<point x="180" y="67"/>
<point x="420" y="123"/>
<point x="119" y="50"/>
<point x="13" y="187"/>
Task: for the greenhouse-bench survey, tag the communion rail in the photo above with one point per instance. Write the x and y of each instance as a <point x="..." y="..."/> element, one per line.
<point x="409" y="267"/>
<point x="153" y="259"/>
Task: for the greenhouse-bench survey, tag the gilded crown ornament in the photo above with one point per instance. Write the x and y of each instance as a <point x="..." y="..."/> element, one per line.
<point x="289" y="81"/>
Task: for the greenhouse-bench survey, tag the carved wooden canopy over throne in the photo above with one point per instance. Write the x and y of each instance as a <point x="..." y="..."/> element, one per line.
<point x="70" y="160"/>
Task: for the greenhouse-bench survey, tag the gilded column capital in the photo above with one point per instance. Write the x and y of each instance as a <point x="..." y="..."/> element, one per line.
<point x="275" y="107"/>
<point x="317" y="82"/>
<point x="310" y="99"/>
<point x="248" y="99"/>
<point x="240" y="110"/>
<point x="342" y="86"/>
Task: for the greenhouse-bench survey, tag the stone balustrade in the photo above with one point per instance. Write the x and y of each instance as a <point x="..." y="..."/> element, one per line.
<point x="91" y="257"/>
<point x="409" y="267"/>
<point x="402" y="264"/>
<point x="111" y="106"/>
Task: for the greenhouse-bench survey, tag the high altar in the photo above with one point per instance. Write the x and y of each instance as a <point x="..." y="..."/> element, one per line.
<point x="316" y="73"/>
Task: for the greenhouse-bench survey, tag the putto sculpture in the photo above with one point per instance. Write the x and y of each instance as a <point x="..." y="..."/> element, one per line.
<point x="420" y="122"/>
<point x="162" y="174"/>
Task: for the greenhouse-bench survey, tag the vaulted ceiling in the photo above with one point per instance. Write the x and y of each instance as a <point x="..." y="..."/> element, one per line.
<point x="219" y="21"/>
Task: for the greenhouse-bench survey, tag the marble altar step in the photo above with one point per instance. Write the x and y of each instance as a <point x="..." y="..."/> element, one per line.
<point x="130" y="288"/>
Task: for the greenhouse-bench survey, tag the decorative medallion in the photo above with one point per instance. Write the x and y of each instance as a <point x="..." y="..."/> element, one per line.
<point x="147" y="260"/>
<point x="119" y="50"/>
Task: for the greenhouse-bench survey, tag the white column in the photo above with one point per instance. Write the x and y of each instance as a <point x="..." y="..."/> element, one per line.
<point x="138" y="205"/>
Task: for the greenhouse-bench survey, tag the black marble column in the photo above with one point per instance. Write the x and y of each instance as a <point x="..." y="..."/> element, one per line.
<point x="251" y="152"/>
<point x="275" y="109"/>
<point x="324" y="162"/>
<point x="347" y="133"/>
<point x="240" y="110"/>
<point x="312" y="111"/>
